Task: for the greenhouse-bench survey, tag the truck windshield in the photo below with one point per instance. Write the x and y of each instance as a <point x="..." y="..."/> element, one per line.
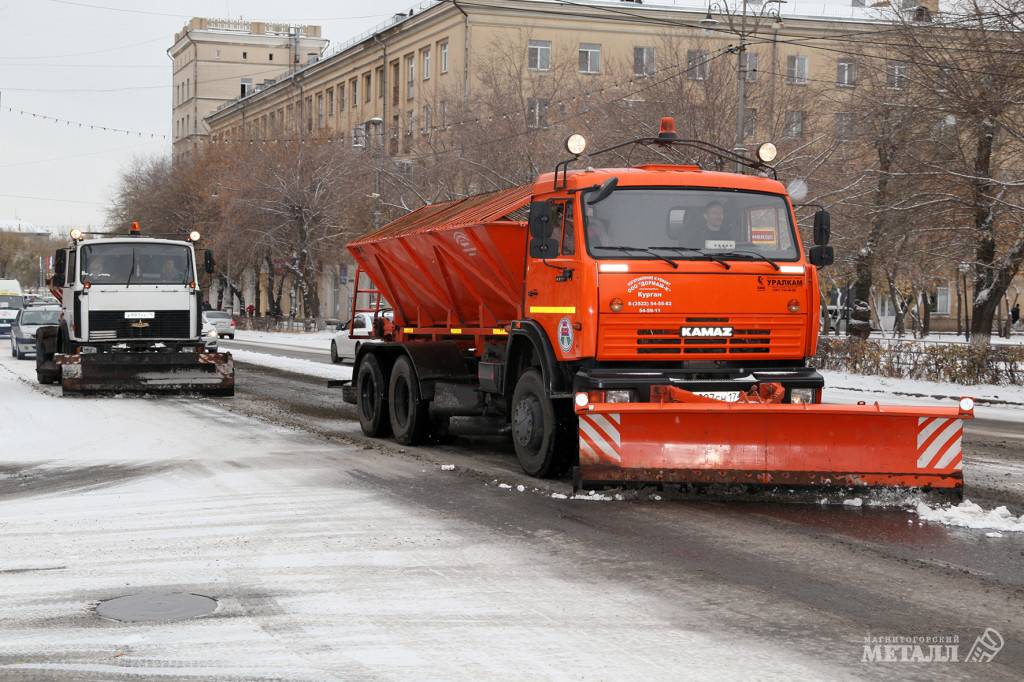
<point x="142" y="263"/>
<point x="685" y="223"/>
<point x="12" y="301"/>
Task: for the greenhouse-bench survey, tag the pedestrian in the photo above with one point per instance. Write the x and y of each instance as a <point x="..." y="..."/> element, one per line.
<point x="1015" y="315"/>
<point x="250" y="309"/>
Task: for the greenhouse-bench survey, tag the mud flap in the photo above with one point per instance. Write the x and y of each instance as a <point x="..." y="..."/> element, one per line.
<point x="202" y="373"/>
<point x="714" y="442"/>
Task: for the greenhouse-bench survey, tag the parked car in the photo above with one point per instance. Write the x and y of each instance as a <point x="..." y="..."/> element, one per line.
<point x="223" y="321"/>
<point x="350" y="335"/>
<point x="23" y="331"/>
<point x="11" y="301"/>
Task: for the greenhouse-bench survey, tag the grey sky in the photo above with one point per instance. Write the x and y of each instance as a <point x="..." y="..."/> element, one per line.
<point x="110" y="68"/>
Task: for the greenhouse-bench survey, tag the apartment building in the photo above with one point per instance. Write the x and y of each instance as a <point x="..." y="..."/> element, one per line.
<point x="398" y="82"/>
<point x="216" y="61"/>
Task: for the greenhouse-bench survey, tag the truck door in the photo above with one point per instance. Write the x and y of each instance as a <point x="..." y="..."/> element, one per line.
<point x="554" y="282"/>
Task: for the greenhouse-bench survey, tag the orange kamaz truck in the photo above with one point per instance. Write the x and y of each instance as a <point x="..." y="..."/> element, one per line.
<point x="650" y="324"/>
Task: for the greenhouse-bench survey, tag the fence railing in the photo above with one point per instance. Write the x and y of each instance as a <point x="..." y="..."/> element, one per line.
<point x="956" y="363"/>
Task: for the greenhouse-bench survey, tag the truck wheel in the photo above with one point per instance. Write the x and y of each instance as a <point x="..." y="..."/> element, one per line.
<point x="410" y="419"/>
<point x="372" y="398"/>
<point x="543" y="442"/>
<point x="334" y="354"/>
<point x="48" y="376"/>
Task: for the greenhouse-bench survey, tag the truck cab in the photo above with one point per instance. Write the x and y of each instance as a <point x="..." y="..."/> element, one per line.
<point x="129" y="290"/>
<point x="671" y="274"/>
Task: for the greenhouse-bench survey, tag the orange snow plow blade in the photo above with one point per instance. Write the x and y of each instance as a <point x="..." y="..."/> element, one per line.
<point x="690" y="439"/>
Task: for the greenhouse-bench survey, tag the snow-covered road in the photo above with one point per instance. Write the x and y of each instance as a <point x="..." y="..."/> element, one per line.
<point x="332" y="559"/>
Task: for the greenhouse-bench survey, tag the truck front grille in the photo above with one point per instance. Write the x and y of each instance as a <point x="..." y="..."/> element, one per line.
<point x="622" y="337"/>
<point x="107" y="325"/>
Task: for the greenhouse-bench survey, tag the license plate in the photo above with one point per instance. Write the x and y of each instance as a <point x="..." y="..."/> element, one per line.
<point x="139" y="316"/>
<point x="724" y="396"/>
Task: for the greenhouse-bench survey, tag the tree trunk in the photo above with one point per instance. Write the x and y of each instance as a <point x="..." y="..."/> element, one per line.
<point x="859" y="324"/>
<point x="221" y="279"/>
<point x="926" y="315"/>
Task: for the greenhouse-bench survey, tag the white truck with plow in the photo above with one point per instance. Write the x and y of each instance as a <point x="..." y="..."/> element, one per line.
<point x="131" y="319"/>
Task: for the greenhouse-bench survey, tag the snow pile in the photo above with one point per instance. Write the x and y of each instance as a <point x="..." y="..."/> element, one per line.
<point x="294" y="365"/>
<point x="967" y="514"/>
<point x="854" y="502"/>
<point x="915" y="387"/>
<point x="318" y="340"/>
<point x="447" y="467"/>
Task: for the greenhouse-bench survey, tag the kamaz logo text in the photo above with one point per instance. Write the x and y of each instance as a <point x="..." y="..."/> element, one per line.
<point x="706" y="331"/>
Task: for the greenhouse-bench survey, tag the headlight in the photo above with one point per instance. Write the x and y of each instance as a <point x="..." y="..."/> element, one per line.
<point x="619" y="396"/>
<point x="767" y="152"/>
<point x="801" y="396"/>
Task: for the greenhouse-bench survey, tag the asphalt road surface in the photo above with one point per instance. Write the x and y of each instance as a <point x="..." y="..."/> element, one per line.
<point x="335" y="557"/>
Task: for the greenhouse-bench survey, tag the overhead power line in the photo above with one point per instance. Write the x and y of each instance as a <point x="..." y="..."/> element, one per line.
<point x="91" y="126"/>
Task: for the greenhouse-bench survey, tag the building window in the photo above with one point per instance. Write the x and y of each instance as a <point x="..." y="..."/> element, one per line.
<point x="359" y="136"/>
<point x="353" y="85"/>
<point x="644" y="63"/>
<point x="330" y="102"/>
<point x="794" y="125"/>
<point x="590" y="58"/>
<point x="443" y="111"/>
<point x="536" y="113"/>
<point x="749" y="122"/>
<point x="309" y="114"/>
<point x="341" y="97"/>
<point x="367" y="88"/>
<point x="443" y="51"/>
<point x="796" y="69"/>
<point x="427" y="119"/>
<point x="846" y="72"/>
<point x="938" y="302"/>
<point x="246" y="87"/>
<point x="395" y="82"/>
<point x="844" y="126"/>
<point x="748" y="62"/>
<point x="270" y="57"/>
<point x="379" y="71"/>
<point x="425" y="60"/>
<point x="319" y="110"/>
<point x="410" y="76"/>
<point x="312" y="57"/>
<point x="896" y="74"/>
<point x="410" y="122"/>
<point x="538" y="56"/>
<point x="697" y="65"/>
<point x="245" y="55"/>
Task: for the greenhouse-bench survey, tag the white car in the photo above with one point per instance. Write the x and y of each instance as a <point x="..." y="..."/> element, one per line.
<point x="209" y="337"/>
<point x="351" y="334"/>
<point x="223" y="321"/>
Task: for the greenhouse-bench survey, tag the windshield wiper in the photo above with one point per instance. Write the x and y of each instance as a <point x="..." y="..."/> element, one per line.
<point x="638" y="248"/>
<point x="750" y="254"/>
<point x="699" y="252"/>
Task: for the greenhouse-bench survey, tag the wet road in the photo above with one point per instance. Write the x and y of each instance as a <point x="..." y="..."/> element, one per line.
<point x="336" y="557"/>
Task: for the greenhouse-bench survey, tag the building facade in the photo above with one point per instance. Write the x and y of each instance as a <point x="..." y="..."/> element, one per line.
<point x="215" y="61"/>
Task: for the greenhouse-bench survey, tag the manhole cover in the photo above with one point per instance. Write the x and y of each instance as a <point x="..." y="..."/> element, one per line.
<point x="156" y="606"/>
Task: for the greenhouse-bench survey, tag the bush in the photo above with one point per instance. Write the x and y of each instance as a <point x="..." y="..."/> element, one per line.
<point x="956" y="363"/>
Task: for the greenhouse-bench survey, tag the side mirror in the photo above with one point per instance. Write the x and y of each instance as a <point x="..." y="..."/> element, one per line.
<point x="543" y="248"/>
<point x="606" y="188"/>
<point x="542" y="219"/>
<point x="822" y="227"/>
<point x="60" y="264"/>
<point x="821" y="256"/>
<point x="208" y="261"/>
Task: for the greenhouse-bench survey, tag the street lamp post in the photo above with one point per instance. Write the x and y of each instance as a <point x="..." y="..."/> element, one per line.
<point x="736" y="22"/>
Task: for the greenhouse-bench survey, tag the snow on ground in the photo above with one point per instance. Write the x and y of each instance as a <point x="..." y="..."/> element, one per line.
<point x="915" y="387"/>
<point x="316" y="340"/>
<point x="294" y="365"/>
<point x="970" y="515"/>
<point x="321" y="568"/>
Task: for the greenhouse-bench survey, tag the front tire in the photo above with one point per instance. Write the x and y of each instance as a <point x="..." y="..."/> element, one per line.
<point x="541" y="428"/>
<point x="334" y="353"/>
<point x="410" y="418"/>
<point x="372" y="398"/>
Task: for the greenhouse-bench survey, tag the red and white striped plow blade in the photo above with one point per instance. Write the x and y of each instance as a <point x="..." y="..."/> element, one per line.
<point x="772" y="444"/>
